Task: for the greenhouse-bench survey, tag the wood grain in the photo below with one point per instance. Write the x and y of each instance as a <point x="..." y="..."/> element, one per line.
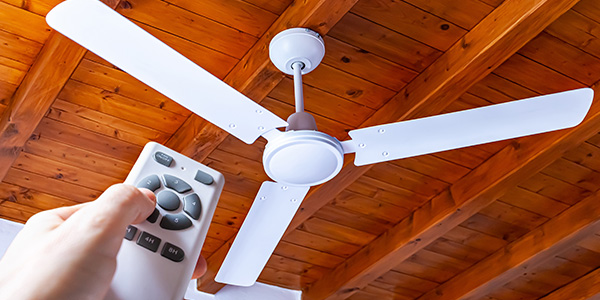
<point x="462" y="200"/>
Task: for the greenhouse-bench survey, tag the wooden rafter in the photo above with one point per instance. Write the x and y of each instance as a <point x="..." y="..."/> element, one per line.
<point x="476" y="55"/>
<point x="586" y="287"/>
<point x="533" y="249"/>
<point x="254" y="76"/>
<point x="476" y="190"/>
<point x="49" y="73"/>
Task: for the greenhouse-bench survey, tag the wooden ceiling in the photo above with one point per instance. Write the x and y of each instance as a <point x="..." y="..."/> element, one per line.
<point x="515" y="219"/>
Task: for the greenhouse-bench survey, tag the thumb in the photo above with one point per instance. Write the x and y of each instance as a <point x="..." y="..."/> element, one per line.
<point x="109" y="215"/>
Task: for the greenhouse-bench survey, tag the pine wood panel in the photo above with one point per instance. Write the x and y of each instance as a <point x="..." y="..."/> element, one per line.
<point x="182" y="22"/>
<point x="40" y="7"/>
<point x="366" y="65"/>
<point x="237" y="14"/>
<point x="23" y="23"/>
<point x="384" y="42"/>
<point x="410" y="21"/>
<point x="449" y="11"/>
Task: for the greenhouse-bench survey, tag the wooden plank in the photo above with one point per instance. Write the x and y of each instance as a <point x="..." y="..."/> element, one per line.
<point x="585" y="287"/>
<point x="323" y="244"/>
<point x="366" y="65"/>
<point x="52" y="186"/>
<point x="348" y="86"/>
<point x="554" y="188"/>
<point x="105" y="124"/>
<point x="564" y="58"/>
<point x="412" y="22"/>
<point x="528" y="252"/>
<point x="384" y="42"/>
<point x="85" y="159"/>
<point x="577" y="30"/>
<point x="67" y="173"/>
<point x="237" y="14"/>
<point x="455" y="12"/>
<point x="23" y="23"/>
<point x="181" y="22"/>
<point x="372" y="208"/>
<point x="39" y="7"/>
<point x="295" y="267"/>
<point x="87" y="140"/>
<point x="19" y="48"/>
<point x="519" y="160"/>
<point x="114" y="81"/>
<point x="31" y="198"/>
<point x="254" y="75"/>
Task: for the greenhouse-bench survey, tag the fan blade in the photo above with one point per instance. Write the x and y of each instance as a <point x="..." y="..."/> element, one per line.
<point x="113" y="37"/>
<point x="469" y="127"/>
<point x="270" y="214"/>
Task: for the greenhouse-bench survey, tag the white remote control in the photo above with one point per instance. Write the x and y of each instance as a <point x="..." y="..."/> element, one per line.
<point x="158" y="256"/>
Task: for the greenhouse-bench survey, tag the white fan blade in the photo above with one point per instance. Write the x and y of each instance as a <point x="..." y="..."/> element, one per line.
<point x="469" y="127"/>
<point x="113" y="37"/>
<point x="270" y="214"/>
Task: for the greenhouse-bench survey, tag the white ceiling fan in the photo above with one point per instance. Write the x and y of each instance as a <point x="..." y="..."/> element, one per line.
<point x="301" y="156"/>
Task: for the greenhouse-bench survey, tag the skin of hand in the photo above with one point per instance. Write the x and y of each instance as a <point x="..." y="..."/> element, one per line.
<point x="70" y="252"/>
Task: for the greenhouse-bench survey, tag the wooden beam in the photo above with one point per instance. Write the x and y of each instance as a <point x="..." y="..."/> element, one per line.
<point x="255" y="77"/>
<point x="523" y="255"/>
<point x="49" y="73"/>
<point x="496" y="38"/>
<point x="476" y="190"/>
<point x="586" y="287"/>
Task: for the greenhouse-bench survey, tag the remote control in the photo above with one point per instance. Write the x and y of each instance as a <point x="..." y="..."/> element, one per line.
<point x="158" y="256"/>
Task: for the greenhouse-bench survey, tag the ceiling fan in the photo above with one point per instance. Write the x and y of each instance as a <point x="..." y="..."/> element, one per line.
<point x="300" y="156"/>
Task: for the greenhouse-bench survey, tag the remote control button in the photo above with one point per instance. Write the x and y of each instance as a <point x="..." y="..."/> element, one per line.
<point x="153" y="217"/>
<point x="177" y="184"/>
<point x="175" y="222"/>
<point x="167" y="200"/>
<point x="148" y="241"/>
<point x="163" y="158"/>
<point x="151" y="182"/>
<point x="131" y="230"/>
<point x="203" y="177"/>
<point x="172" y="252"/>
<point x="192" y="206"/>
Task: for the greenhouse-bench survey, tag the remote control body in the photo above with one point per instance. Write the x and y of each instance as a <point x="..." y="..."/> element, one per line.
<point x="158" y="256"/>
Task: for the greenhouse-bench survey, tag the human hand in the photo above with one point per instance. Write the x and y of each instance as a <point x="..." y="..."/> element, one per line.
<point x="70" y="252"/>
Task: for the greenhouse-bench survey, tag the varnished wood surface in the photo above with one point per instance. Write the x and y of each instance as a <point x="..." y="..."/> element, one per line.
<point x="81" y="127"/>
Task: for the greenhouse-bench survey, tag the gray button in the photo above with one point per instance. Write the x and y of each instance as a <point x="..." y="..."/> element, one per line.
<point x="152" y="218"/>
<point x="163" y="158"/>
<point x="203" y="177"/>
<point x="148" y="241"/>
<point x="131" y="230"/>
<point x="192" y="206"/>
<point x="175" y="222"/>
<point x="177" y="184"/>
<point x="151" y="182"/>
<point x="172" y="252"/>
<point x="167" y="200"/>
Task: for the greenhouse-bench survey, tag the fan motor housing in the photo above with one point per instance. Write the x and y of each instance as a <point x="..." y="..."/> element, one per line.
<point x="303" y="157"/>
